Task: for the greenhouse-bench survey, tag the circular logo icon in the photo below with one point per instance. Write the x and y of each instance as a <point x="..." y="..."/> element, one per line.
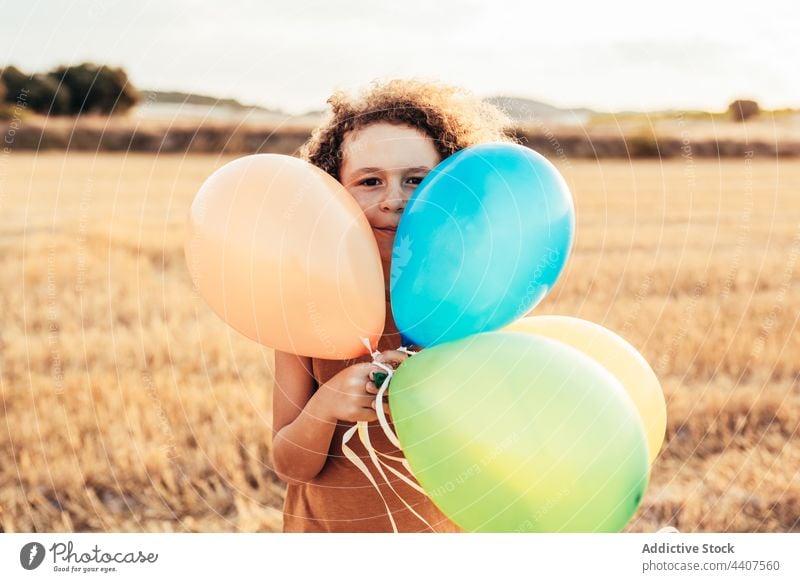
<point x="31" y="555"/>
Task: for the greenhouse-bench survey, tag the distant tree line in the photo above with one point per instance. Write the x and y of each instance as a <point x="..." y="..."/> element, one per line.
<point x="69" y="90"/>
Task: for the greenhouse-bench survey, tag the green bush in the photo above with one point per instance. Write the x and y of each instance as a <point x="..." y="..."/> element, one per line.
<point x="96" y="88"/>
<point x="70" y="90"/>
<point x="14" y="82"/>
<point x="743" y="109"/>
<point x="39" y="92"/>
<point x="643" y="144"/>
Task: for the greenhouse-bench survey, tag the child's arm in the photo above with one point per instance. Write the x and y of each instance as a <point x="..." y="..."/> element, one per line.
<point x="296" y="428"/>
<point x="304" y="420"/>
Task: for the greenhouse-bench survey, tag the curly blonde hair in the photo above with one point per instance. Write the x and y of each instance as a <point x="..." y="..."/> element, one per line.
<point x="452" y="116"/>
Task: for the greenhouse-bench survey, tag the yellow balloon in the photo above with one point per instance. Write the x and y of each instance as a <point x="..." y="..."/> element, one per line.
<point x="617" y="356"/>
<point x="283" y="253"/>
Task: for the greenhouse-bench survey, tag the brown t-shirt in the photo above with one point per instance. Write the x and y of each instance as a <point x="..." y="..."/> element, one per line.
<point x="341" y="498"/>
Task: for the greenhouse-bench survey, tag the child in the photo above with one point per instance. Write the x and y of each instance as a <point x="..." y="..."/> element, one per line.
<point x="379" y="146"/>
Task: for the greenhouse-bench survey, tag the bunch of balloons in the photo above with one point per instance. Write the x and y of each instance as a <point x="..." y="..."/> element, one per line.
<point x="512" y="423"/>
<point x="509" y="422"/>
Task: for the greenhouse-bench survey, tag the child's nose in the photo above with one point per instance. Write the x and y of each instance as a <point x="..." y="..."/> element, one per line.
<point x="394" y="199"/>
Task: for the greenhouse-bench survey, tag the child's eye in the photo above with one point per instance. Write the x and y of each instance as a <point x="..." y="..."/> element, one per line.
<point x="416" y="180"/>
<point x="364" y="182"/>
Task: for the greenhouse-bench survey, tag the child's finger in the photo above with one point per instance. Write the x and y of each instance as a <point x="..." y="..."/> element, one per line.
<point x="392" y="358"/>
<point x="365" y="414"/>
<point x="385" y="407"/>
<point x="364" y="401"/>
<point x="373" y="391"/>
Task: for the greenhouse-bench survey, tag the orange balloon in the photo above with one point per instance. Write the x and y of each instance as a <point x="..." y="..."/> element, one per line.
<point x="283" y="253"/>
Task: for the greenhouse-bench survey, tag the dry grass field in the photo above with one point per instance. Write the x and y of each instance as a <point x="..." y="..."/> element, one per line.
<point x="129" y="406"/>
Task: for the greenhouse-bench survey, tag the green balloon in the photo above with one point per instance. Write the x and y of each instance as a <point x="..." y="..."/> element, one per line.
<point x="511" y="432"/>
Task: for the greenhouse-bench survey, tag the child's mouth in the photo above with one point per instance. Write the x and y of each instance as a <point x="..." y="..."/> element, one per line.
<point x="386" y="229"/>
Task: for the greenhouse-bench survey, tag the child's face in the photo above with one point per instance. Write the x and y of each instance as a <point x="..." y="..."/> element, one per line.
<point x="381" y="166"/>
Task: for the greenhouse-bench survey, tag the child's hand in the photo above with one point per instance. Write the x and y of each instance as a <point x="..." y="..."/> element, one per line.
<point x="350" y="394"/>
<point x="391" y="358"/>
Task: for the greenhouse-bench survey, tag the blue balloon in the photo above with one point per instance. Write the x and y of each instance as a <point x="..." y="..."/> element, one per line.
<point x="481" y="242"/>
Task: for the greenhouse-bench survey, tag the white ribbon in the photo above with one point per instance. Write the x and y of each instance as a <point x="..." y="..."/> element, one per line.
<point x="363" y="434"/>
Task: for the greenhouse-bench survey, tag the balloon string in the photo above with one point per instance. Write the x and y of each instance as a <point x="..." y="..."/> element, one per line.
<point x="408" y="481"/>
<point x="356" y="460"/>
<point x="363" y="433"/>
<point x="364" y="436"/>
<point x="387" y="430"/>
<point x="379" y="464"/>
<point x="379" y="407"/>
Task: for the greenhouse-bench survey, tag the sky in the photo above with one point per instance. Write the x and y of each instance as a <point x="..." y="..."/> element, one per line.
<point x="291" y="54"/>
